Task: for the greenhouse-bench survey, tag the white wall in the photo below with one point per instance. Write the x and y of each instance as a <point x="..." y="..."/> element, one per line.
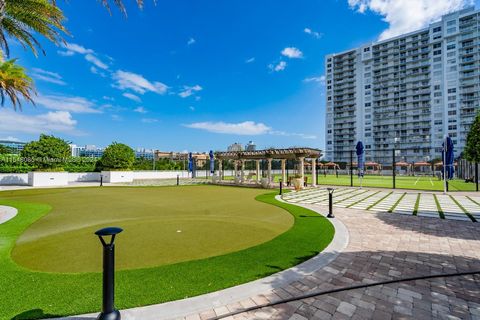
<point x="19" y="179"/>
<point x="143" y="175"/>
<point x="64" y="178"/>
<point x="84" y="177"/>
<point x="47" y="179"/>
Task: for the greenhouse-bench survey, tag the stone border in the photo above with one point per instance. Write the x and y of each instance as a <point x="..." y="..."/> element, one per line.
<point x="223" y="297"/>
<point x="7" y="213"/>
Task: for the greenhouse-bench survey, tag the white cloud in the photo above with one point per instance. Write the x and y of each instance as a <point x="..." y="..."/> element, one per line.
<point x="408" y="15"/>
<point x="191" y="108"/>
<point x="136" y="82"/>
<point x="188" y="91"/>
<point x="314" y="34"/>
<point x="66" y="103"/>
<point x="319" y="79"/>
<point x="292" y="53"/>
<point x="96" y="71"/>
<point x="250" y="60"/>
<point x="10" y="138"/>
<point x="116" y="117"/>
<point x="292" y="134"/>
<point x="247" y="128"/>
<point x="73" y="48"/>
<point x="92" y="59"/>
<point x="191" y="41"/>
<point x="47" y="76"/>
<point x="140" y="110"/>
<point x="149" y="120"/>
<point x="131" y="96"/>
<point x="54" y="121"/>
<point x="108" y="98"/>
<point x="277" y="67"/>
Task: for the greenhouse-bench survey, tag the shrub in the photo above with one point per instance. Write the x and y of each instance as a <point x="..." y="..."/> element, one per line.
<point x="47" y="154"/>
<point x="117" y="156"/>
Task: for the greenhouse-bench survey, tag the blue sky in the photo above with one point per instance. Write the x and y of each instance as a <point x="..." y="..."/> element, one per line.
<point x="200" y="75"/>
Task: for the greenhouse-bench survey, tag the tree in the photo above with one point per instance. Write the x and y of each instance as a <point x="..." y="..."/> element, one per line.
<point x="120" y="5"/>
<point x="22" y="19"/>
<point x="14" y="82"/>
<point x="472" y="148"/>
<point x="48" y="153"/>
<point x="5" y="149"/>
<point x="117" y="156"/>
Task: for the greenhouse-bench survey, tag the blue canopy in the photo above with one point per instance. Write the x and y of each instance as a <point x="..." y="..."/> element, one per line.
<point x="360" y="158"/>
<point x="212" y="162"/>
<point x="190" y="162"/>
<point x="448" y="157"/>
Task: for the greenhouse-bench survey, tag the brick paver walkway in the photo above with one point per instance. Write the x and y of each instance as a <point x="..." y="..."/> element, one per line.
<point x="452" y="206"/>
<point x="383" y="246"/>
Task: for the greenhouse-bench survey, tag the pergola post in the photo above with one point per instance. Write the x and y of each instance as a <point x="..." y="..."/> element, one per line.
<point x="235" y="169"/>
<point x="314" y="172"/>
<point x="269" y="170"/>
<point x="284" y="176"/>
<point x="220" y="168"/>
<point x="258" y="170"/>
<point x="242" y="172"/>
<point x="302" y="168"/>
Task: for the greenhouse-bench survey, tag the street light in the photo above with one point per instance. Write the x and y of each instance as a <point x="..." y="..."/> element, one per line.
<point x="108" y="308"/>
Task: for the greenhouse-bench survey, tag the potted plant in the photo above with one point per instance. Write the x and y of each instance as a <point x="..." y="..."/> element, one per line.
<point x="298" y="182"/>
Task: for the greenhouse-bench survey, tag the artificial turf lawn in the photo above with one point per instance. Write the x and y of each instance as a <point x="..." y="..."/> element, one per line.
<point x="28" y="294"/>
<point x="377" y="181"/>
<point x="162" y="226"/>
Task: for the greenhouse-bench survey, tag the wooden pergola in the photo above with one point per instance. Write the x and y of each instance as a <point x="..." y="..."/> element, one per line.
<point x="298" y="154"/>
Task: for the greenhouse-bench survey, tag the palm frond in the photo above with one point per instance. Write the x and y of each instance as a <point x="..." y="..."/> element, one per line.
<point x="15" y="83"/>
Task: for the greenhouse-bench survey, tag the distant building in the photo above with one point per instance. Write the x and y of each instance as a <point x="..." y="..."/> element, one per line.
<point x="15" y="146"/>
<point x="405" y="93"/>
<point x="250" y="146"/>
<point x="144" y="153"/>
<point x="200" y="158"/>
<point x="235" y="147"/>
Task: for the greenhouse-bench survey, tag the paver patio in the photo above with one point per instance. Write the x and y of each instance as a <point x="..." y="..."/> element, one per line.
<point x="383" y="246"/>
<point x="402" y="202"/>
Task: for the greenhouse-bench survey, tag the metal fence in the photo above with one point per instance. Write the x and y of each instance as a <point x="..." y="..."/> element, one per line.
<point x="418" y="169"/>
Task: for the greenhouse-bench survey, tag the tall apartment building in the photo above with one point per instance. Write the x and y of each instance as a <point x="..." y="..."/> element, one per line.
<point x="405" y="93"/>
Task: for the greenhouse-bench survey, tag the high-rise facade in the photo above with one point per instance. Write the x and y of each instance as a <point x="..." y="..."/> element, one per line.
<point x="405" y="93"/>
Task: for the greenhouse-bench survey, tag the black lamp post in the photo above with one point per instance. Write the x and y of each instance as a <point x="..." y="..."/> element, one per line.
<point x="108" y="307"/>
<point x="330" y="203"/>
<point x="281" y="183"/>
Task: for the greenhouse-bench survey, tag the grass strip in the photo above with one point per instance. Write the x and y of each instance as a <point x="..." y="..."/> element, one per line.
<point x="417" y="204"/>
<point x="439" y="208"/>
<point x="60" y="294"/>
<point x="463" y="208"/>
<point x="478" y="204"/>
<point x="350" y="197"/>
<point x="396" y="203"/>
<point x="377" y="202"/>
<point x="351" y="205"/>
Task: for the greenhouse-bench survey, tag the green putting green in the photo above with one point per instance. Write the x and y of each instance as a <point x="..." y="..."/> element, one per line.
<point x="50" y="261"/>
<point x="162" y="226"/>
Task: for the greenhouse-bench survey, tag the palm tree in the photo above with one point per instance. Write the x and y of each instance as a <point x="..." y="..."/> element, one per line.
<point x="120" y="5"/>
<point x="14" y="82"/>
<point x="20" y="19"/>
